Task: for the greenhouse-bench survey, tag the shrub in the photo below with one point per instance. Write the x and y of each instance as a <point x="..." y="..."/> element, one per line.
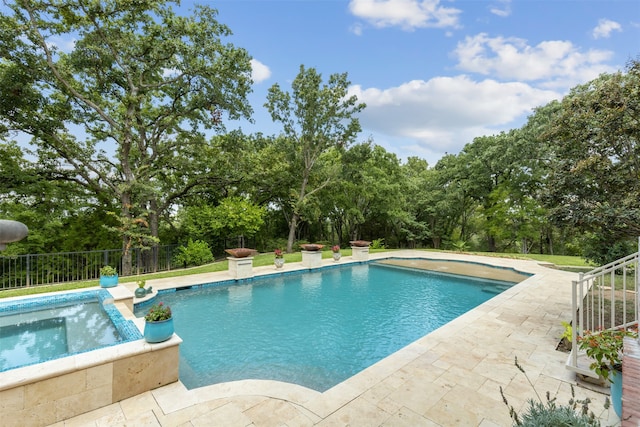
<point x="269" y="244"/>
<point x="459" y="245"/>
<point x="107" y="270"/>
<point x="193" y="254"/>
<point x="551" y="414"/>
<point x="377" y="244"/>
<point x="601" y="249"/>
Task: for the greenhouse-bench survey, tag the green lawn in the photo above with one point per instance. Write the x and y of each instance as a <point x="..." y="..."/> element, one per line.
<point x="561" y="261"/>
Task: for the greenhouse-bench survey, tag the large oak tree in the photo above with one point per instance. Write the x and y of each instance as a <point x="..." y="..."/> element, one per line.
<point x="595" y="178"/>
<point x="123" y="110"/>
<point x="316" y="119"/>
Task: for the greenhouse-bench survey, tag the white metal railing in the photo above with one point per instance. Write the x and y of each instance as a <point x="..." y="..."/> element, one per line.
<point x="604" y="298"/>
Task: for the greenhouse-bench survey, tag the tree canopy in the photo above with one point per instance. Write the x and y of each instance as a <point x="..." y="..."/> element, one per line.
<point x="316" y="120"/>
<point x="127" y="140"/>
<point x="122" y="112"/>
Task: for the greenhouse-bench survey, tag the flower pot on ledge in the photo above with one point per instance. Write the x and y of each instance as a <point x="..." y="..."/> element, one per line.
<point x="109" y="281"/>
<point x="311" y="247"/>
<point x="155" y="332"/>
<point x="240" y="252"/>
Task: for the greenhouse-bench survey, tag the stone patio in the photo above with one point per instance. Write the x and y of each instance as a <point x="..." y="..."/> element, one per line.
<point x="450" y="377"/>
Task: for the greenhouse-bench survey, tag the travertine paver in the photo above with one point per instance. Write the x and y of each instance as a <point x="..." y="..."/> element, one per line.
<point x="450" y="377"/>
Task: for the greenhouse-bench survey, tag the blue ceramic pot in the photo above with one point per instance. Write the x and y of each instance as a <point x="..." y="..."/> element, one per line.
<point x="155" y="332"/>
<point x="616" y="391"/>
<point x="109" y="281"/>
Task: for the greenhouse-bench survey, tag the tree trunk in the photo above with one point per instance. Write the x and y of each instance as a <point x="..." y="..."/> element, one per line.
<point x="491" y="243"/>
<point x="292" y="231"/>
<point x="152" y="255"/>
<point x="127" y="243"/>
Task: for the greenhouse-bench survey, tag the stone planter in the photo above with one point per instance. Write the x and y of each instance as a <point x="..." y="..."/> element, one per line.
<point x="311" y="259"/>
<point x="311" y="247"/>
<point x="241" y="268"/>
<point x="240" y="252"/>
<point x="360" y="253"/>
<point x="278" y="262"/>
<point x="337" y="256"/>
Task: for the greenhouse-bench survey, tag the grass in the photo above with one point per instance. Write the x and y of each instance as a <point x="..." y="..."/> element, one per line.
<point x="267" y="259"/>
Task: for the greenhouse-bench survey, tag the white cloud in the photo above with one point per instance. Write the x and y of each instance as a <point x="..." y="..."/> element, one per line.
<point x="259" y="71"/>
<point x="502" y="8"/>
<point x="604" y="29"/>
<point x="445" y="113"/>
<point x="559" y="63"/>
<point x="407" y="14"/>
<point x="356" y="29"/>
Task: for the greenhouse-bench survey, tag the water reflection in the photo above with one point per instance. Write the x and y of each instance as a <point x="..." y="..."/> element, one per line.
<point x="35" y="336"/>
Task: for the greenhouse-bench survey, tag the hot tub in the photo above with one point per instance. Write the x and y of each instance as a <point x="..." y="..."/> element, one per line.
<point x="65" y="379"/>
<point x="34" y="330"/>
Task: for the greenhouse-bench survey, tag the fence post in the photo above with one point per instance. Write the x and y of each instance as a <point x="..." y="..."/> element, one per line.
<point x="574" y="322"/>
<point x="28" y="270"/>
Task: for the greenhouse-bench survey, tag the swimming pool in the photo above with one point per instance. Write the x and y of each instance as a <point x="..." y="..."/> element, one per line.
<point x="314" y="328"/>
<point x="34" y="330"/>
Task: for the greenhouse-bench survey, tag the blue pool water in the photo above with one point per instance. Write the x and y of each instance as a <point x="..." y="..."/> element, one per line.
<point x="315" y="328"/>
<point x="34" y="330"/>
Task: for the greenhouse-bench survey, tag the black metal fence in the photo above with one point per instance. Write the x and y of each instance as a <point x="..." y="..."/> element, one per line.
<point x="44" y="269"/>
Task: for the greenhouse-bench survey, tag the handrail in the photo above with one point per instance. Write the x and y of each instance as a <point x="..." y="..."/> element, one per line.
<point x="612" y="264"/>
<point x="604" y="298"/>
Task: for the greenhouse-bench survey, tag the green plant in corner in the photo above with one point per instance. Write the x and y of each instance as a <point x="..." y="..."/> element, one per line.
<point x="460" y="245"/>
<point x="568" y="331"/>
<point x="107" y="270"/>
<point x="378" y="244"/>
<point x="551" y="414"/>
<point x="605" y="348"/>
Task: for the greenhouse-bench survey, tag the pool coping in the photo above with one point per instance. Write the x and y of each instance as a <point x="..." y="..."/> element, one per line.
<point x="448" y="377"/>
<point x="389" y="389"/>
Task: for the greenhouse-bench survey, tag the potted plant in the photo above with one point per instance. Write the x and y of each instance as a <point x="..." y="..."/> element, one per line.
<point x="158" y="325"/>
<point x="140" y="292"/>
<point x="108" y="277"/>
<point x="311" y="247"/>
<point x="240" y="252"/>
<point x="605" y="347"/>
<point x="279" y="258"/>
<point x="336" y="252"/>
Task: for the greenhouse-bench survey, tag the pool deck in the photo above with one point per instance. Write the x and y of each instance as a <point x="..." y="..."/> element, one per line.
<point x="450" y="377"/>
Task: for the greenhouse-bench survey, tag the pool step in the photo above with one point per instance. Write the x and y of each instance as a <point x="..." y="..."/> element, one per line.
<point x="495" y="289"/>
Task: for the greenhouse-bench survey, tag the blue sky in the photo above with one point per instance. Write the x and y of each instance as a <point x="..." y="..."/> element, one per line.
<point x="434" y="74"/>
